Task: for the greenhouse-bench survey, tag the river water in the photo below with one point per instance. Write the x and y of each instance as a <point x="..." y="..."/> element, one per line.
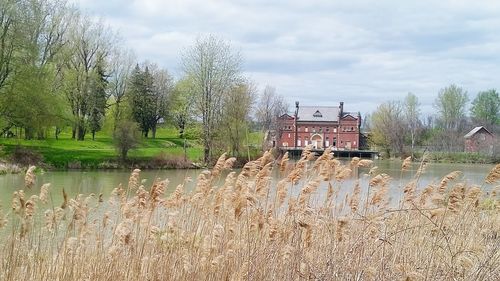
<point x="86" y="182"/>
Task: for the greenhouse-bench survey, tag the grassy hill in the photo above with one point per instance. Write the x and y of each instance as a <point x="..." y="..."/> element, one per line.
<point x="68" y="153"/>
<point x="166" y="150"/>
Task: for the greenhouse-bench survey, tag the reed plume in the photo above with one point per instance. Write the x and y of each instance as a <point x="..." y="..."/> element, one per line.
<point x="313" y="222"/>
<point x="30" y="177"/>
<point x="406" y="164"/>
<point x="494" y="175"/>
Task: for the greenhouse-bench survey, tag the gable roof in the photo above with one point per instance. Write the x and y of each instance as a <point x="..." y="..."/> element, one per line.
<point x="475" y="131"/>
<point x="286" y="116"/>
<point x="318" y="113"/>
<point x="346" y="115"/>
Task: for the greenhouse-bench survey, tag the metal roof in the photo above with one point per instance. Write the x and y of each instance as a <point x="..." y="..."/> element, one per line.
<point x="475" y="130"/>
<point x="318" y="113"/>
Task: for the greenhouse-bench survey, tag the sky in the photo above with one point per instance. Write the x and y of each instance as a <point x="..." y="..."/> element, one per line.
<point x="322" y="52"/>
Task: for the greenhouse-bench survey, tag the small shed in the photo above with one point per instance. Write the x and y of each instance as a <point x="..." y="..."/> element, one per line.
<point x="479" y="139"/>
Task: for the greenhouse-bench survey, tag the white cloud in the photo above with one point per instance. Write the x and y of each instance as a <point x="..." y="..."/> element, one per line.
<point x="361" y="52"/>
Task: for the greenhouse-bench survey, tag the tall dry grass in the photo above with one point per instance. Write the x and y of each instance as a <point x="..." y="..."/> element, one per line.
<point x="248" y="226"/>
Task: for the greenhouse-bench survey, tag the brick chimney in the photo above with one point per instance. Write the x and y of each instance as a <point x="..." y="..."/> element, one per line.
<point x="295" y="123"/>
<point x="341" y="109"/>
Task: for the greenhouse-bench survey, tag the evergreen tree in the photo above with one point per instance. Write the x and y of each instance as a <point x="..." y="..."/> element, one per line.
<point x="148" y="97"/>
<point x="98" y="98"/>
<point x="141" y="98"/>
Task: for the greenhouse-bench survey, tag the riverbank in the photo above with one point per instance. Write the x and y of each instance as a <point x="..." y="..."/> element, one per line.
<point x="166" y="151"/>
<point x="460" y="157"/>
<point x="98" y="155"/>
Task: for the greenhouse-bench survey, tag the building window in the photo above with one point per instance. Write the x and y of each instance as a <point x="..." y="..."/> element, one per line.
<point x="334" y="130"/>
<point x="299" y="142"/>
<point x="327" y="129"/>
<point x="352" y="129"/>
<point x="285" y="144"/>
<point x="288" y="134"/>
<point x="307" y="129"/>
<point x="317" y="114"/>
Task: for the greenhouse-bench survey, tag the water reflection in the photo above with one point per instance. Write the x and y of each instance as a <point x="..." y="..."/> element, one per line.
<point x="85" y="182"/>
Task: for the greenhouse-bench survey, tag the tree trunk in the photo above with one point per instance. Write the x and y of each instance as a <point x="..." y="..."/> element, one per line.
<point x="124" y="154"/>
<point x="80" y="133"/>
<point x="206" y="145"/>
<point x="40" y="134"/>
<point x="206" y="154"/>
<point x="181" y="132"/>
<point x="153" y="130"/>
<point x="93" y="135"/>
<point x="185" y="151"/>
<point x="412" y="144"/>
<point x="117" y="115"/>
<point x="28" y="133"/>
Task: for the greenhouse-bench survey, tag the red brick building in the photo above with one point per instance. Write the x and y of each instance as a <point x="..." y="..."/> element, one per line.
<point x="479" y="139"/>
<point x="321" y="126"/>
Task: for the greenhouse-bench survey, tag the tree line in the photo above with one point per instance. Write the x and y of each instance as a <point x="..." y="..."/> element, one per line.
<point x="60" y="68"/>
<point x="398" y="128"/>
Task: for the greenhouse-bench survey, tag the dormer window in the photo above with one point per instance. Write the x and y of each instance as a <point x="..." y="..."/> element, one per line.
<point x="317" y="114"/>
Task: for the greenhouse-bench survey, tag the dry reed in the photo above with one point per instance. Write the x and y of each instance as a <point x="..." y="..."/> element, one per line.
<point x="251" y="227"/>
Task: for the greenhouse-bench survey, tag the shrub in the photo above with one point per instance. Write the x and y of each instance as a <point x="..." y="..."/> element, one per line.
<point x="25" y="156"/>
<point x="126" y="137"/>
<point x="170" y="162"/>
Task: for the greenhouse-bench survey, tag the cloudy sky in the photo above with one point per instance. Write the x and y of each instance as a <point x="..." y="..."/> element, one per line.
<point x="323" y="52"/>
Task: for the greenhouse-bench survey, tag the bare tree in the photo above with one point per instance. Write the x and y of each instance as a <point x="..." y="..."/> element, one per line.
<point x="7" y="31"/>
<point x="213" y="67"/>
<point x="412" y="114"/>
<point x="91" y="44"/>
<point x="270" y="107"/>
<point x="45" y="26"/>
<point x="162" y="88"/>
<point x="122" y="63"/>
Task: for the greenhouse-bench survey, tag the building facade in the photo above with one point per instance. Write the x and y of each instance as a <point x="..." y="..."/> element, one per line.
<point x="321" y="127"/>
<point x="479" y="139"/>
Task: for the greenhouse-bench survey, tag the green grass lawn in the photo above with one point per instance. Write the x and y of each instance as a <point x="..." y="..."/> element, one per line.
<point x="66" y="152"/>
<point x="90" y="153"/>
